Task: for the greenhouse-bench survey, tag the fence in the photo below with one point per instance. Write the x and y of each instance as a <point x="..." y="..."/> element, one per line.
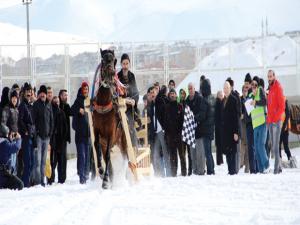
<point x="67" y="65"/>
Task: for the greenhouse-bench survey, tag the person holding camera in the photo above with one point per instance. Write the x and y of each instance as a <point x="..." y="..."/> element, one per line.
<point x="9" y="144"/>
<point x="9" y="118"/>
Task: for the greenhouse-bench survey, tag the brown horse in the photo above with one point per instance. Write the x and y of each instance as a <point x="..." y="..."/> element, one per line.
<point x="106" y="119"/>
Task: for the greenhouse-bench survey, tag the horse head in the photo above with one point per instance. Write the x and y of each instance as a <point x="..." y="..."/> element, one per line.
<point x="108" y="65"/>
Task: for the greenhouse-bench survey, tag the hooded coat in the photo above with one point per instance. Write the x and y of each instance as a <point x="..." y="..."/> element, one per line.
<point x="208" y="125"/>
<point x="80" y="122"/>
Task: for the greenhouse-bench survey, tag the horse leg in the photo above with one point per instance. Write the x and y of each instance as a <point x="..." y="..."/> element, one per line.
<point x="105" y="183"/>
<point x="98" y="155"/>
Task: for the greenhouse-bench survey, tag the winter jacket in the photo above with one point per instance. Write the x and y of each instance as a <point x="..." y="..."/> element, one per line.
<point x="4" y="99"/>
<point x="229" y="122"/>
<point x="275" y="103"/>
<point x="287" y="116"/>
<point x="239" y="104"/>
<point x="59" y="136"/>
<point x="160" y="104"/>
<point x="208" y="124"/>
<point x="132" y="90"/>
<point x="80" y="122"/>
<point x="43" y="118"/>
<point x="218" y="118"/>
<point x="10" y="115"/>
<point x="199" y="107"/>
<point x="151" y="127"/>
<point x="25" y="121"/>
<point x="7" y="148"/>
<point x="173" y="120"/>
<point x="68" y="113"/>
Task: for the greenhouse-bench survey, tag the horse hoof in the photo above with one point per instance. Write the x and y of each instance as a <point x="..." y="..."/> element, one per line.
<point x="105" y="185"/>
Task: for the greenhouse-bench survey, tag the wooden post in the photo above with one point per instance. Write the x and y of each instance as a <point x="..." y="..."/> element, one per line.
<point x="87" y="109"/>
<point x="130" y="151"/>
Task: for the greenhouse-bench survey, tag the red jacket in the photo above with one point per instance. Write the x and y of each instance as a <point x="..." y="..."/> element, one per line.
<point x="276" y="103"/>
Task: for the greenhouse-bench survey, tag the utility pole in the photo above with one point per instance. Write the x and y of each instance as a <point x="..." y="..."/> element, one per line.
<point x="27" y="3"/>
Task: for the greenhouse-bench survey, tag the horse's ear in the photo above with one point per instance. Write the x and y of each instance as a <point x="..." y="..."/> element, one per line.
<point x="101" y="52"/>
<point x="115" y="62"/>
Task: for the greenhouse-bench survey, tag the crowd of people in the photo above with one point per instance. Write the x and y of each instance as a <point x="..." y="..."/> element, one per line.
<point x="245" y="128"/>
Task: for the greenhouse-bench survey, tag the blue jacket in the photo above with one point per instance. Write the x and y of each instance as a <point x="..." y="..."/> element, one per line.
<point x="7" y="148"/>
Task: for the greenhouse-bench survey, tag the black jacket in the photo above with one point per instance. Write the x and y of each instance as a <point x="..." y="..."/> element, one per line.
<point x="229" y="123"/>
<point x="173" y="123"/>
<point x="208" y="125"/>
<point x="59" y="136"/>
<point x="68" y="113"/>
<point x="239" y="104"/>
<point x="43" y="118"/>
<point x="151" y="129"/>
<point x="218" y="122"/>
<point x="199" y="107"/>
<point x="160" y="105"/>
<point x="287" y="117"/>
<point x="10" y="115"/>
<point x="132" y="90"/>
<point x="26" y="124"/>
<point x="80" y="123"/>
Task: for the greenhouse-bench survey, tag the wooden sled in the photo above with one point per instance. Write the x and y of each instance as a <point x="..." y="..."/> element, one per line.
<point x="143" y="157"/>
<point x="87" y="109"/>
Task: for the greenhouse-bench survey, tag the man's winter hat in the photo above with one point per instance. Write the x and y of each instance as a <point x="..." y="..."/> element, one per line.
<point x="125" y="56"/>
<point x="27" y="86"/>
<point x="15" y="86"/>
<point x="230" y="81"/>
<point x="4" y="130"/>
<point x="43" y="89"/>
<point x="14" y="93"/>
<point x="172" y="90"/>
<point x="84" y="84"/>
<point x="248" y="78"/>
<point x="256" y="79"/>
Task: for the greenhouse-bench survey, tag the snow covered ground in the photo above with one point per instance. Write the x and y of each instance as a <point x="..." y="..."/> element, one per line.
<point x="220" y="199"/>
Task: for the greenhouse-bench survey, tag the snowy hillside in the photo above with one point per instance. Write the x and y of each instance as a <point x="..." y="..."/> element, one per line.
<point x="220" y="199"/>
<point x="14" y="35"/>
<point x="245" y="56"/>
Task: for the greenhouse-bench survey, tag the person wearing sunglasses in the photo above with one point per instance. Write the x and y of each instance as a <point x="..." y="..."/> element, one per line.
<point x="258" y="115"/>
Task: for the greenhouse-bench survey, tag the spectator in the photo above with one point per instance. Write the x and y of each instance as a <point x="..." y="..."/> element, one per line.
<point x="9" y="118"/>
<point x="218" y="128"/>
<point x="230" y="128"/>
<point x="244" y="160"/>
<point x="171" y="84"/>
<point x="49" y="94"/>
<point x="4" y="99"/>
<point x="27" y="131"/>
<point x="8" y="146"/>
<point x="259" y="125"/>
<point x="276" y="106"/>
<point x="80" y="125"/>
<point x="43" y="120"/>
<point x="208" y="125"/>
<point x="237" y="96"/>
<point x="199" y="108"/>
<point x="185" y="147"/>
<point x="173" y="127"/>
<point x="249" y="128"/>
<point x="284" y="134"/>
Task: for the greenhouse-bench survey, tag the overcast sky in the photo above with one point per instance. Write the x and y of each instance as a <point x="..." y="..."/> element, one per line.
<point x="144" y="20"/>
